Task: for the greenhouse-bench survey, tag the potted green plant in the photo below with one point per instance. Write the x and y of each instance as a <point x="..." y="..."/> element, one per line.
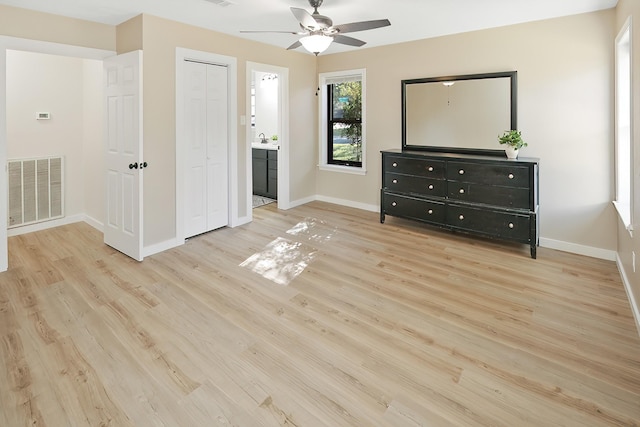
<point x="512" y="139"/>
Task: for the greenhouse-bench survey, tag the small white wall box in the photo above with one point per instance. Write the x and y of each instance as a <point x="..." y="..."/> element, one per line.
<point x="43" y="116"/>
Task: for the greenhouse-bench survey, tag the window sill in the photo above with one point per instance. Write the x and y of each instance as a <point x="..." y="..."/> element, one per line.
<point x="343" y="169"/>
<point x="624" y="212"/>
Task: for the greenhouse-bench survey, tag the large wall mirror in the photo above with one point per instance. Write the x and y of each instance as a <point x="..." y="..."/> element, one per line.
<point x="463" y="113"/>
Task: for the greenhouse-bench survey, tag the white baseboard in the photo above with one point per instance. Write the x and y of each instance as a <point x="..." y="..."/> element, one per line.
<point x="635" y="309"/>
<point x="575" y="248"/>
<point x="241" y="221"/>
<point x="160" y="247"/>
<point x="349" y="203"/>
<point x="94" y="223"/>
<point x="45" y="225"/>
<point x="300" y="202"/>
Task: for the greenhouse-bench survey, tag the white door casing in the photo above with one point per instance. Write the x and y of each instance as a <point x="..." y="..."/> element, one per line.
<point x="182" y="56"/>
<point x="206" y="137"/>
<point x="123" y="153"/>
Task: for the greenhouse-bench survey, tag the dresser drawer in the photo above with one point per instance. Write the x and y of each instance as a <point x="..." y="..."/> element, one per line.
<point x="415" y="184"/>
<point x="493" y="223"/>
<point x="410" y="207"/>
<point x="410" y="166"/>
<point x="509" y="197"/>
<point x="490" y="174"/>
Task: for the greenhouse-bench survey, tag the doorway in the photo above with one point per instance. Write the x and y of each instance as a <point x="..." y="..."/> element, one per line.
<point x="12" y="43"/>
<point x="274" y="122"/>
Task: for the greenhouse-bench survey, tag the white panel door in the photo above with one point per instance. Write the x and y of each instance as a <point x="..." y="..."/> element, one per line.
<point x="217" y="148"/>
<point x="206" y="105"/>
<point x="123" y="146"/>
<point x="195" y="113"/>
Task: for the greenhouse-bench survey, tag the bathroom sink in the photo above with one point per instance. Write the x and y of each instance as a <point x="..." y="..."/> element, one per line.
<point x="268" y="146"/>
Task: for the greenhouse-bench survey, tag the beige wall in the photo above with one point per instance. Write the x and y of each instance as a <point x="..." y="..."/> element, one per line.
<point x="564" y="111"/>
<point x="27" y="24"/>
<point x="71" y="90"/>
<point x="627" y="244"/>
<point x="161" y="37"/>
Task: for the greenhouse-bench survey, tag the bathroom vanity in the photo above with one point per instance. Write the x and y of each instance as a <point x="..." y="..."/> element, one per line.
<point x="265" y="170"/>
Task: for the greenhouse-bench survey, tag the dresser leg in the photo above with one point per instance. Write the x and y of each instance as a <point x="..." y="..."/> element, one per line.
<point x="534" y="249"/>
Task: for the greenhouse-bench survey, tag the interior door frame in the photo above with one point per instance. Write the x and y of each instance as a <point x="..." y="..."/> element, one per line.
<point x="14" y="43"/>
<point x="183" y="54"/>
<point x="284" y="201"/>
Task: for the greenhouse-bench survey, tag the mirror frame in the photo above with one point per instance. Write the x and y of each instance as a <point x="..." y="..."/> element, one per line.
<point x="513" y="77"/>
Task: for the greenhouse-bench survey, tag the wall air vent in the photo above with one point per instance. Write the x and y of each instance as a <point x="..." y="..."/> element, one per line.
<point x="36" y="190"/>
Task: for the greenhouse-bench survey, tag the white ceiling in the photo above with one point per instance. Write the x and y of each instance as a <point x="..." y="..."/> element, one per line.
<point x="410" y="19"/>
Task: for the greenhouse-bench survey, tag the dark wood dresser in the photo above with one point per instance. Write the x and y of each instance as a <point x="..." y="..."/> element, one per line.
<point x="486" y="195"/>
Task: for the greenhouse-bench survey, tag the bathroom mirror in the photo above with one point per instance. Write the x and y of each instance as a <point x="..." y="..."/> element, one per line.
<point x="464" y="113"/>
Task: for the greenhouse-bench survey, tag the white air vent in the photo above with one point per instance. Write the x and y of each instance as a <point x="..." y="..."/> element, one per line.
<point x="223" y="3"/>
<point x="36" y="190"/>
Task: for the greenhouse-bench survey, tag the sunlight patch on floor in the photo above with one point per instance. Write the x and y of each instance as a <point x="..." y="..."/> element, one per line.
<point x="283" y="259"/>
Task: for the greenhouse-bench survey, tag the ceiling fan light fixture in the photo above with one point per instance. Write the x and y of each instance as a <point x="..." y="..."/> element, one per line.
<point x="316" y="43"/>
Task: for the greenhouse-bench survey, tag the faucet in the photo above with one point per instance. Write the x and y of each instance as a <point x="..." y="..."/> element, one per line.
<point x="264" y="139"/>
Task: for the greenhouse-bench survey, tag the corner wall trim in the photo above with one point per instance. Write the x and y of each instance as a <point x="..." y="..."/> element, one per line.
<point x="575" y="248"/>
<point x="349" y="203"/>
<point x="635" y="309"/>
<point x="160" y="247"/>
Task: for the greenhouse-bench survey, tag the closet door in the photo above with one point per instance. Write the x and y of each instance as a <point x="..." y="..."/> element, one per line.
<point x="206" y="195"/>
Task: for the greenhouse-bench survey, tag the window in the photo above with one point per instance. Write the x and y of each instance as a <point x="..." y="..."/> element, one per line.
<point x="342" y="121"/>
<point x="623" y="125"/>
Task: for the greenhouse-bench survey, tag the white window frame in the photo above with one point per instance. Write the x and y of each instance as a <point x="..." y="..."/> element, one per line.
<point x="336" y="77"/>
<point x="624" y="126"/>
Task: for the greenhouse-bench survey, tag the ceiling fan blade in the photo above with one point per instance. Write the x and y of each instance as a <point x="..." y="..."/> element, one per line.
<point x="268" y="31"/>
<point x="362" y="26"/>
<point x="304" y="17"/>
<point x="348" y="40"/>
<point x="295" y="45"/>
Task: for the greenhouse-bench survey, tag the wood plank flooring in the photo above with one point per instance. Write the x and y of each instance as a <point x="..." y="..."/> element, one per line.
<point x="391" y="324"/>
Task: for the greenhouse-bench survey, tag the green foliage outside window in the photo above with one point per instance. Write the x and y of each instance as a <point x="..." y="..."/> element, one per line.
<point x="346" y="123"/>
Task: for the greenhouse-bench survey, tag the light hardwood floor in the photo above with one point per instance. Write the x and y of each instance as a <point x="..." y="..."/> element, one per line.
<point x="389" y="324"/>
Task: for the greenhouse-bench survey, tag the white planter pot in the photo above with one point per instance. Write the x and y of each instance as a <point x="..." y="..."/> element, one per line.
<point x="511" y="152"/>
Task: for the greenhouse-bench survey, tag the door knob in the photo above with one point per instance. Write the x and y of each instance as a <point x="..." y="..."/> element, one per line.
<point x="133" y="165"/>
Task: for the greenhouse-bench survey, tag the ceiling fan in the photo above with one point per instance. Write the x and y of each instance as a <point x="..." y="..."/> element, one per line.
<point x="319" y="31"/>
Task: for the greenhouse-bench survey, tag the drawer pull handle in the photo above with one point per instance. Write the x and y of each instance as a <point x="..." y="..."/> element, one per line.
<point x="461" y="191"/>
<point x="395" y="181"/>
<point x="430" y="168"/>
<point x="430" y="186"/>
<point x="393" y="203"/>
<point x="461" y="171"/>
<point x="510" y="176"/>
<point x="461" y="217"/>
<point x="394" y="164"/>
<point x="511" y="225"/>
<point x="430" y="211"/>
